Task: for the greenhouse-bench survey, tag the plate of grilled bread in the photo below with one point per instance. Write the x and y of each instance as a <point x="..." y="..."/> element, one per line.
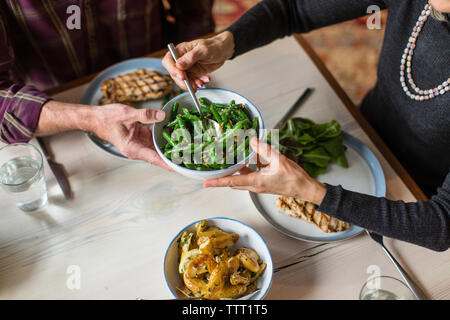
<point x="140" y="83"/>
<point x="301" y="219"/>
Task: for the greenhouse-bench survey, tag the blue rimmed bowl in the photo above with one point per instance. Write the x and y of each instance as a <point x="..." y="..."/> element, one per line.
<point x="248" y="238"/>
<point x="217" y="96"/>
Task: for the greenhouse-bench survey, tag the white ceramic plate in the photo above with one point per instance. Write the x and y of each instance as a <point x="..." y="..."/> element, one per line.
<point x="248" y="238"/>
<point x="363" y="175"/>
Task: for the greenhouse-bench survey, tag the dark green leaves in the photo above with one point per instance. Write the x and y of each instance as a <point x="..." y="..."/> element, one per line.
<point x="333" y="146"/>
<point x="318" y="156"/>
<point x="326" y="130"/>
<point x="313" y="146"/>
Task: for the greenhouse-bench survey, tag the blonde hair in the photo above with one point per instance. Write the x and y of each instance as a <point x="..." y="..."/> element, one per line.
<point x="437" y="14"/>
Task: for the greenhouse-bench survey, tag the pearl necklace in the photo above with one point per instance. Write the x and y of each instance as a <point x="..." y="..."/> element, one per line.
<point x="406" y="63"/>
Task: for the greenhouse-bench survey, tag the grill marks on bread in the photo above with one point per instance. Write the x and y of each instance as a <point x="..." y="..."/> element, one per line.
<point x="136" y="86"/>
<point x="306" y="211"/>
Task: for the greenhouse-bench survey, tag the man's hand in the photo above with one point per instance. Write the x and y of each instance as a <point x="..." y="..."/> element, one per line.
<point x="128" y="130"/>
<point x="198" y="58"/>
<point x="277" y="175"/>
<point x="125" y="127"/>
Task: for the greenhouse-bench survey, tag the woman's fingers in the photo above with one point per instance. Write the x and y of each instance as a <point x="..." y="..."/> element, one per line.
<point x="179" y="76"/>
<point x="243" y="179"/>
<point x="264" y="150"/>
<point x="176" y="74"/>
<point x="170" y="66"/>
<point x="230" y="181"/>
<point x="199" y="83"/>
<point x="205" y="79"/>
<point x="247" y="188"/>
<point x="190" y="53"/>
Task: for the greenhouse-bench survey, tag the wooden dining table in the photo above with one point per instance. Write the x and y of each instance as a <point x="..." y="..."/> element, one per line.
<point x="109" y="240"/>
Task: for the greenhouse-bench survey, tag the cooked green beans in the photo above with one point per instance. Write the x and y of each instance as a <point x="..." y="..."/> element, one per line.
<point x="210" y="152"/>
<point x="215" y="114"/>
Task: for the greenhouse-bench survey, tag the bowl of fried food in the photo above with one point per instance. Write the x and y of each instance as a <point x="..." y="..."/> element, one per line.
<point x="189" y="145"/>
<point x="218" y="259"/>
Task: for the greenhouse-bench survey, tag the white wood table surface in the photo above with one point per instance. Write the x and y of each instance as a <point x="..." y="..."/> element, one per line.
<point x="124" y="214"/>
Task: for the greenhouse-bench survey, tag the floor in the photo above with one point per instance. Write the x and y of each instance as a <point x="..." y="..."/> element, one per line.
<point x="349" y="49"/>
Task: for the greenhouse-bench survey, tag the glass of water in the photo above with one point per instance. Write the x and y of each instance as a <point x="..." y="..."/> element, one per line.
<point x="385" y="288"/>
<point x="22" y="175"/>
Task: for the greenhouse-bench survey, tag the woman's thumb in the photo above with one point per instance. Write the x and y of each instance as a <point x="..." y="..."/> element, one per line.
<point x="264" y="150"/>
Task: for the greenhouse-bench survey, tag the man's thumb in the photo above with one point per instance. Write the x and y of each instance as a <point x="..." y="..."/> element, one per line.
<point x="148" y="115"/>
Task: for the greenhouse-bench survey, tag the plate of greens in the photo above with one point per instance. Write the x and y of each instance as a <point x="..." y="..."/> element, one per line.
<point x="332" y="156"/>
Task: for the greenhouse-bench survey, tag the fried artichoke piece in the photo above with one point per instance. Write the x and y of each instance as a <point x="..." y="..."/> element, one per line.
<point x="201" y="264"/>
<point x="250" y="288"/>
<point x="185" y="241"/>
<point x="256" y="275"/>
<point x="217" y="279"/>
<point x="233" y="264"/>
<point x="207" y="247"/>
<point x="249" y="252"/>
<point x="219" y="239"/>
<point x="186" y="258"/>
<point x="230" y="292"/>
<point x="240" y="277"/>
<point x="201" y="227"/>
<point x="198" y="287"/>
<point x="249" y="259"/>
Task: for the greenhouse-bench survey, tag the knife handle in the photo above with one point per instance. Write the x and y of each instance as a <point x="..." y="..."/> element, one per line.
<point x="43" y="148"/>
<point x="294" y="108"/>
<point x="420" y="295"/>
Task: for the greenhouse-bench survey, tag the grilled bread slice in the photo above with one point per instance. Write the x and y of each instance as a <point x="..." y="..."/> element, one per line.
<point x="306" y="211"/>
<point x="139" y="85"/>
<point x="105" y="100"/>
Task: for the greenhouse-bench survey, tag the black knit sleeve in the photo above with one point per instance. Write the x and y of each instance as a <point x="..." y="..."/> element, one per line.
<point x="425" y="223"/>
<point x="273" y="19"/>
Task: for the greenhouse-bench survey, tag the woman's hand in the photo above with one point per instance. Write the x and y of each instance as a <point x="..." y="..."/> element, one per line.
<point x="127" y="129"/>
<point x="278" y="175"/>
<point x="198" y="58"/>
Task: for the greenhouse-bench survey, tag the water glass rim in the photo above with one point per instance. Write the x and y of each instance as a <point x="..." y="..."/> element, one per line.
<point x="381" y="277"/>
<point x="24" y="144"/>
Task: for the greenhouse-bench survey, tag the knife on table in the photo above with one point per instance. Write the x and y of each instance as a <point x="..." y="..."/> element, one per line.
<point x="57" y="169"/>
<point x="294" y="108"/>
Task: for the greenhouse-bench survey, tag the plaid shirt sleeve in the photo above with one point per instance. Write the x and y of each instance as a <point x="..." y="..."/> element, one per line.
<point x="20" y="105"/>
